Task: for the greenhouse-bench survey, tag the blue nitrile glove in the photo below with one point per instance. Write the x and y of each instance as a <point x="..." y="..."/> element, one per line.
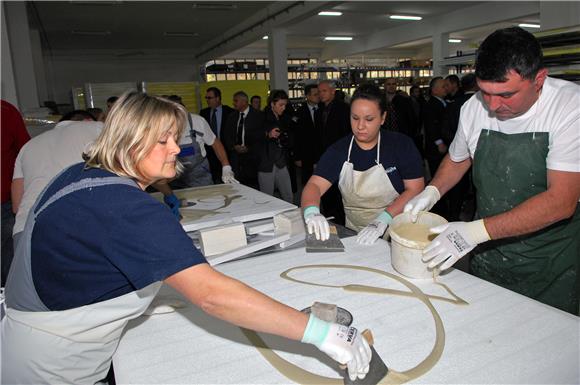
<point x="173" y="202"/>
<point x="375" y="229"/>
<point x="341" y="343"/>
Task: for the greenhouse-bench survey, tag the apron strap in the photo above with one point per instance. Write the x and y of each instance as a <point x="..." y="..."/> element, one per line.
<point x="379" y="149"/>
<point x="349" y="149"/>
<point x="377" y="161"/>
<point x="83" y="184"/>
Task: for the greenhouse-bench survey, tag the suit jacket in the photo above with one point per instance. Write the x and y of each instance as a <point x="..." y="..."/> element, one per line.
<point x="215" y="165"/>
<point x="308" y="146"/>
<point x="406" y="122"/>
<point x="336" y="124"/>
<point x="245" y="165"/>
<point x="452" y="112"/>
<point x="433" y="121"/>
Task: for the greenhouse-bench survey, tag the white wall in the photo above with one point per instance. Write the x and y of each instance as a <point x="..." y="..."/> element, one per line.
<point x="69" y="71"/>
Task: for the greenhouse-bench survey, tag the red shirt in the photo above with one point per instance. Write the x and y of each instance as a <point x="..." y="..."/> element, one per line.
<point x="14" y="136"/>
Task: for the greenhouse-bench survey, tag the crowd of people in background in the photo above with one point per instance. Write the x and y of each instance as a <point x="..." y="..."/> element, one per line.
<point x="275" y="146"/>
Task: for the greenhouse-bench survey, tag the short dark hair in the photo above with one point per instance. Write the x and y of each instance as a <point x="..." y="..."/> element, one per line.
<point x="505" y="50"/>
<point x="309" y="88"/>
<point x="453" y="79"/>
<point x="176" y="99"/>
<point x="433" y="81"/>
<point x="370" y="92"/>
<point x="216" y="92"/>
<point x="469" y="82"/>
<point x="241" y="94"/>
<point x="413" y="88"/>
<point x="112" y="99"/>
<point x="78" y="116"/>
<point x="276" y="95"/>
<point x="255" y="97"/>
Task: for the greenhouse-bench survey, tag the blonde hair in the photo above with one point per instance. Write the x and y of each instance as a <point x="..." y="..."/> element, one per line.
<point x="133" y="126"/>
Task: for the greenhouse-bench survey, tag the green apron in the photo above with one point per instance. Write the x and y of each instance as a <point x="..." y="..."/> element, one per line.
<point x="507" y="170"/>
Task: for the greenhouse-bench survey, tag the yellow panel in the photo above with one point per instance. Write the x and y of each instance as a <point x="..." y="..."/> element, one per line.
<point x="229" y="88"/>
<point x="187" y="91"/>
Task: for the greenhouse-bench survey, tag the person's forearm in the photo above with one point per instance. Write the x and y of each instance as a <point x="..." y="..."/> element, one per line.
<point x="16" y="193"/>
<point x="237" y="303"/>
<point x="532" y="215"/>
<point x="220" y="152"/>
<point x="310" y="196"/>
<point x="412" y="188"/>
<point x="449" y="174"/>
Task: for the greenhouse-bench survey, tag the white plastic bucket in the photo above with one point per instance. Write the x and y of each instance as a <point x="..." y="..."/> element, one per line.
<point x="406" y="254"/>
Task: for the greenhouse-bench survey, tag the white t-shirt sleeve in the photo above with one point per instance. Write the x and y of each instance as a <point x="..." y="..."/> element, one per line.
<point x="459" y="148"/>
<point x="564" y="150"/>
<point x="201" y="126"/>
<point x="18" y="165"/>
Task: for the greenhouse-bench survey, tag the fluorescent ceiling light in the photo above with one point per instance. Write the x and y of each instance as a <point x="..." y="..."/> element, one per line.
<point x="525" y="25"/>
<point x="455" y="40"/>
<point x="329" y="13"/>
<point x="405" y="17"/>
<point x="341" y="38"/>
<point x="265" y="37"/>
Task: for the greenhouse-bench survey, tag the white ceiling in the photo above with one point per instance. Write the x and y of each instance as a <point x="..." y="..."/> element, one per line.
<point x="222" y="28"/>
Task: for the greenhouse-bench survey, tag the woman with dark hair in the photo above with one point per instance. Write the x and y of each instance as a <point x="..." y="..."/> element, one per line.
<point x="377" y="172"/>
<point x="273" y="167"/>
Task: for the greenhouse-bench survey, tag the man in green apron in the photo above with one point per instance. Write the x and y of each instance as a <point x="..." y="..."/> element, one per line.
<point x="521" y="132"/>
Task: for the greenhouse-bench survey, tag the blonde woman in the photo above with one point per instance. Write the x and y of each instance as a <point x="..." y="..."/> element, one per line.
<point x="96" y="249"/>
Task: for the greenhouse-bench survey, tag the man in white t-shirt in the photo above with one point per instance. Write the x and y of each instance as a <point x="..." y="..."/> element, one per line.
<point x="193" y="157"/>
<point x="521" y="133"/>
<point x="42" y="158"/>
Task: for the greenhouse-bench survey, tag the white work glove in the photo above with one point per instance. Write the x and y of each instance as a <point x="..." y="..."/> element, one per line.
<point x="342" y="343"/>
<point x="455" y="240"/>
<point x="316" y="223"/>
<point x="424" y="201"/>
<point x="228" y="175"/>
<point x="375" y="229"/>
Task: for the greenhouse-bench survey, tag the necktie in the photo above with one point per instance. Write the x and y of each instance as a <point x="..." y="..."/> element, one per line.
<point x="240" y="133"/>
<point x="312" y="112"/>
<point x="213" y="122"/>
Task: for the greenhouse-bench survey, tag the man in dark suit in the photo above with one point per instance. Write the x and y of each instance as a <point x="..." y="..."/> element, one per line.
<point x="308" y="146"/>
<point x="434" y="121"/>
<point x="243" y="136"/>
<point x="400" y="115"/>
<point x="333" y="119"/>
<point x="216" y="114"/>
<point x="457" y="195"/>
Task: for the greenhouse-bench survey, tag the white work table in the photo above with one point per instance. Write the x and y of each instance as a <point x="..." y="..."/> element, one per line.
<point x="499" y="338"/>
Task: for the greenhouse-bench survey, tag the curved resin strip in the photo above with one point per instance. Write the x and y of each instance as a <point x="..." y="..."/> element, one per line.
<point x="305" y="377"/>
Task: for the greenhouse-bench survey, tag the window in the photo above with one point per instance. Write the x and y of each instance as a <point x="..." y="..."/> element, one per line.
<point x="221" y="77"/>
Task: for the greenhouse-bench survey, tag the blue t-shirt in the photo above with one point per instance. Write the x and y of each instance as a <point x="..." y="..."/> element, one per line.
<point x="103" y="242"/>
<point x="399" y="157"/>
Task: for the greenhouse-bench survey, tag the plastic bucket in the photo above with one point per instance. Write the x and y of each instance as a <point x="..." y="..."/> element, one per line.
<point x="406" y="253"/>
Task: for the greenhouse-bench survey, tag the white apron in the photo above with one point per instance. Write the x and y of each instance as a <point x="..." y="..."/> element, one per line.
<point x="364" y="193"/>
<point x="72" y="346"/>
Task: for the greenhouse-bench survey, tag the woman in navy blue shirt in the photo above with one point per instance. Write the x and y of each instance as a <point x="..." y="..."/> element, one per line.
<point x="377" y="172"/>
<point x="96" y="249"/>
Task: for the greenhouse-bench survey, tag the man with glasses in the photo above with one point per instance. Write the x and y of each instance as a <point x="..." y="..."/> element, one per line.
<point x="216" y="114"/>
